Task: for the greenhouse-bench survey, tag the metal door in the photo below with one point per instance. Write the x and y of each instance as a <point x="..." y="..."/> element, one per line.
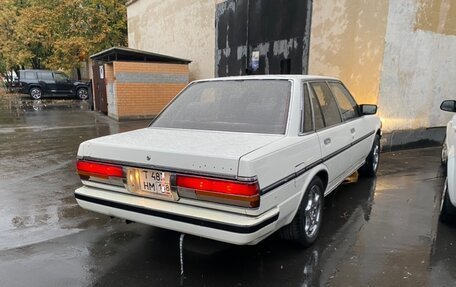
<point x="99" y="86"/>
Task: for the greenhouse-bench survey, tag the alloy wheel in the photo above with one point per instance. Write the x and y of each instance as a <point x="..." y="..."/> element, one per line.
<point x="35" y="93"/>
<point x="375" y="157"/>
<point x="313" y="211"/>
<point x="444" y="153"/>
<point x="83" y="94"/>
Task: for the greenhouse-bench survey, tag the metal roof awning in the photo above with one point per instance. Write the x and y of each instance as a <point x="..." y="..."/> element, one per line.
<point x="133" y="55"/>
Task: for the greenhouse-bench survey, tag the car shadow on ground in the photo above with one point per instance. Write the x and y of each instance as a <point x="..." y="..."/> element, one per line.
<point x="273" y="262"/>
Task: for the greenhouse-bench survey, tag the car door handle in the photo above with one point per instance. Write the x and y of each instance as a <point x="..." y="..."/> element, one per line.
<point x="353" y="130"/>
<point x="327" y="141"/>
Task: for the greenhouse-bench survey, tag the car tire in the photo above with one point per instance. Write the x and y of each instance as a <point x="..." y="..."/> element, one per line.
<point x="306" y="224"/>
<point x="444" y="153"/>
<point x="447" y="209"/>
<point x="370" y="167"/>
<point x="36" y="93"/>
<point x="82" y="93"/>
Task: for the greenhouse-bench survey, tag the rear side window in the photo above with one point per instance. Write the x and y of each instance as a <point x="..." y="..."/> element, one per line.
<point x="347" y="105"/>
<point x="306" y="124"/>
<point x="318" y="115"/>
<point x="45" y="76"/>
<point x="30" y="75"/>
<point x="253" y="106"/>
<point x="328" y="104"/>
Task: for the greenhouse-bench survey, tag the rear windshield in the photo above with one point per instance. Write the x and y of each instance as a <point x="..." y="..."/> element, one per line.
<point x="253" y="106"/>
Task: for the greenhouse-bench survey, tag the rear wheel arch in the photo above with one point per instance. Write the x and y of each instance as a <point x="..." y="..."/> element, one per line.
<point x="320" y="172"/>
<point x="370" y="166"/>
<point x="303" y="217"/>
<point x="447" y="208"/>
<point x="323" y="175"/>
<point x="34" y="86"/>
<point x="379" y="133"/>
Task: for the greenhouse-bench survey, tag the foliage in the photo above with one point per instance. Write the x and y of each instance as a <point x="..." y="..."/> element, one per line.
<point x="58" y="34"/>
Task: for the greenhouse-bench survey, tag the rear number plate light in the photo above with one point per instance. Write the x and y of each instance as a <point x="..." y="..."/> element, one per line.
<point x="151" y="183"/>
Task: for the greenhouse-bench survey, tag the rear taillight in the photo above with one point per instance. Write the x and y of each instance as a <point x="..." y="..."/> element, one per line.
<point x="101" y="170"/>
<point x="246" y="194"/>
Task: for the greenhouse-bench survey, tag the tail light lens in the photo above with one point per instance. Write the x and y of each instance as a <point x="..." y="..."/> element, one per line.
<point x="246" y="194"/>
<point x="101" y="170"/>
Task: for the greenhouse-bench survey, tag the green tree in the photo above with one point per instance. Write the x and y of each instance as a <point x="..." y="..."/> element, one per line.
<point x="86" y="27"/>
<point x="12" y="53"/>
<point x="34" y="32"/>
<point x="58" y="34"/>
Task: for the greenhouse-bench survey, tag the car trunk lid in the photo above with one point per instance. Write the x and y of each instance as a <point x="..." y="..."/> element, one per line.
<point x="194" y="151"/>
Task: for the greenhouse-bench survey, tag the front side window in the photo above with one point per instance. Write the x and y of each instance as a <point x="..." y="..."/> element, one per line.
<point x="254" y="106"/>
<point x="60" y="77"/>
<point x="327" y="103"/>
<point x="348" y="107"/>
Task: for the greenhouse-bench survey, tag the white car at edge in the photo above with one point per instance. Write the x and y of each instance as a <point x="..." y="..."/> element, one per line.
<point x="235" y="159"/>
<point x="448" y="203"/>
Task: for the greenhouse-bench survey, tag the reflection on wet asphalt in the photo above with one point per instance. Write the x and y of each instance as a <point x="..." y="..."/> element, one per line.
<point x="376" y="232"/>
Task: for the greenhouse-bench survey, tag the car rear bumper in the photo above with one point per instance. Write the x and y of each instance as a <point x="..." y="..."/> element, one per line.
<point x="213" y="224"/>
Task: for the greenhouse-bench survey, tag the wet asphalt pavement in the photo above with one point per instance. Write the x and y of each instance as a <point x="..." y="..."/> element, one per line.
<point x="376" y="232"/>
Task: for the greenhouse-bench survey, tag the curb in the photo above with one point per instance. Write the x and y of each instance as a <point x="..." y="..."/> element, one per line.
<point x="411" y="139"/>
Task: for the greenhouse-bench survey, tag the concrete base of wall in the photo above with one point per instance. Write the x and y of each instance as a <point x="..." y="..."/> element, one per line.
<point x="409" y="139"/>
<point x="129" y="118"/>
<point x="113" y="116"/>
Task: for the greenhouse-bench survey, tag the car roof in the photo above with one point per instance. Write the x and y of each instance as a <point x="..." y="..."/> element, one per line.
<point x="272" y="77"/>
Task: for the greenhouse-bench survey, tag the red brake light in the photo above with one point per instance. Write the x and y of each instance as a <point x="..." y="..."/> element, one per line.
<point x="238" y="193"/>
<point x="89" y="168"/>
<point x="222" y="186"/>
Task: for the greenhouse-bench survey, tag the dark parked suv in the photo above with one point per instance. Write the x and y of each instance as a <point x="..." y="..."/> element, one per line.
<point x="38" y="83"/>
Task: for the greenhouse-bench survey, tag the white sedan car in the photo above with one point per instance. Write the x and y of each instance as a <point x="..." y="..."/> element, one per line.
<point x="235" y="159"/>
<point x="448" y="205"/>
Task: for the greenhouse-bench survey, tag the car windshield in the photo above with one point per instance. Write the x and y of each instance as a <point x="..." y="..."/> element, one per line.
<point x="253" y="106"/>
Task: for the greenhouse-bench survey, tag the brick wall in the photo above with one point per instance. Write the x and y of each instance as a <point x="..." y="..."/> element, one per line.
<point x="109" y="73"/>
<point x="150" y="67"/>
<point x="142" y="90"/>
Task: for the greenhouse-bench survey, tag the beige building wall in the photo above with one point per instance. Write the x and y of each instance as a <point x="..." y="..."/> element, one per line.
<point x="347" y="42"/>
<point x="419" y="64"/>
<point x="179" y="28"/>
<point x="397" y="54"/>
